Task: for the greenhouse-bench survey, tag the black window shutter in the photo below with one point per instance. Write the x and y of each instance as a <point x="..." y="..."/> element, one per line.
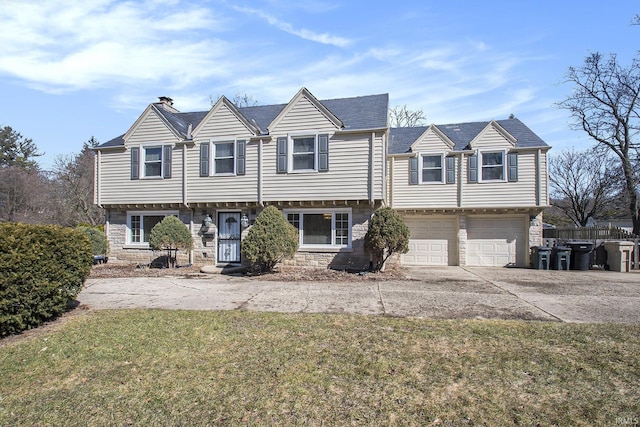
<point x="323" y="152"/>
<point x="451" y="170"/>
<point x="413" y="170"/>
<point x="166" y="161"/>
<point x="473" y="168"/>
<point x="512" y="164"/>
<point x="282" y="154"/>
<point x="204" y="159"/>
<point x="241" y="151"/>
<point x="135" y="162"/>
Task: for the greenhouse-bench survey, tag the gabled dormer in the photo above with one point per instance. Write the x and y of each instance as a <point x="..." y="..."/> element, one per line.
<point x="317" y="115"/>
<point x="432" y="162"/>
<point x="225" y="117"/>
<point x="494" y="158"/>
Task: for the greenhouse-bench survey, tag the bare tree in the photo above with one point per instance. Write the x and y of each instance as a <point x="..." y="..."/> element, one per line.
<point x="74" y="178"/>
<point x="582" y="184"/>
<point x="605" y="104"/>
<point x="401" y="116"/>
<point x="239" y="100"/>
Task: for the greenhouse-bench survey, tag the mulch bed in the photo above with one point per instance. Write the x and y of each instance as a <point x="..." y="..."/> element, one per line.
<point x="282" y="274"/>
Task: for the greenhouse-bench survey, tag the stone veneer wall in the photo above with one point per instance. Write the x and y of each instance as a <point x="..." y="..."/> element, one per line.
<point x="204" y="250"/>
<point x="354" y="259"/>
<point x="120" y="252"/>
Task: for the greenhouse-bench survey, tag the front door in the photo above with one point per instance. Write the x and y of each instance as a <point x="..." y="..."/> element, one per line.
<point x="228" y="237"/>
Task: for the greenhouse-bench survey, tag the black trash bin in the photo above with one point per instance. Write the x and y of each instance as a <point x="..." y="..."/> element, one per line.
<point x="560" y="257"/>
<point x="540" y="257"/>
<point x="580" y="255"/>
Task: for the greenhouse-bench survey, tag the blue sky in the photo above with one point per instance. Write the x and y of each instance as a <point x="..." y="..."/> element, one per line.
<point x="70" y="70"/>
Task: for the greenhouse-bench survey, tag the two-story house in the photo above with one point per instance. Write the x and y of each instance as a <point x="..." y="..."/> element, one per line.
<point x="321" y="162"/>
<point x="472" y="194"/>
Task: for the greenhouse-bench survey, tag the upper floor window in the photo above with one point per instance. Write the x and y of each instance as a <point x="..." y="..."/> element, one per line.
<point x="152" y="161"/>
<point x="224" y="157"/>
<point x="492" y="165"/>
<point x="432" y="168"/>
<point x="303" y="153"/>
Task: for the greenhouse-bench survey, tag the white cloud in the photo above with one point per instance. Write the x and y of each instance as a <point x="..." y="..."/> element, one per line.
<point x="323" y="38"/>
<point x="65" y="45"/>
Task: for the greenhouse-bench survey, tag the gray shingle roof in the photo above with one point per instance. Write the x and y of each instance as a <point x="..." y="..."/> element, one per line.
<point x="462" y="134"/>
<point x="357" y="113"/>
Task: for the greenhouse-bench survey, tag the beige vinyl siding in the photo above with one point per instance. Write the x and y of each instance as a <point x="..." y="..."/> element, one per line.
<point x="117" y="187"/>
<point x="220" y="188"/>
<point x="302" y="117"/>
<point x="223" y="188"/>
<point x="347" y="178"/>
<point x="222" y="123"/>
<point x="348" y="175"/>
<point x="503" y="194"/>
<point x="491" y="139"/>
<point x="430" y="142"/>
<point x="151" y="129"/>
<point x="421" y="195"/>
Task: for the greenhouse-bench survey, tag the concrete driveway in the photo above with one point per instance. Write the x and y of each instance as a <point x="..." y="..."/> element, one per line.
<point x="444" y="293"/>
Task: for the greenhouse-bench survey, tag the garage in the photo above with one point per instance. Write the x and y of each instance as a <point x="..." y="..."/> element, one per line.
<point x="496" y="241"/>
<point x="433" y="241"/>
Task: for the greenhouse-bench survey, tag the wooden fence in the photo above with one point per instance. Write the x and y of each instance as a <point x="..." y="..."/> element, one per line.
<point x="599" y="232"/>
<point x="596" y="234"/>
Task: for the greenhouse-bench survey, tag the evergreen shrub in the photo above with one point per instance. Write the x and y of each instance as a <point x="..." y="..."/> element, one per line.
<point x="387" y="234"/>
<point x="269" y="240"/>
<point x="171" y="235"/>
<point x="42" y="269"/>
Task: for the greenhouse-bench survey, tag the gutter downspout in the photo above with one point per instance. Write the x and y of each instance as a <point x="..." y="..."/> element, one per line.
<point x="96" y="179"/>
<point x="371" y="167"/>
<point x="260" y="172"/>
<point x="185" y="199"/>
<point x="538" y="178"/>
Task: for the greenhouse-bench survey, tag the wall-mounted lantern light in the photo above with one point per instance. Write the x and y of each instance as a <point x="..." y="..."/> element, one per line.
<point x="244" y="220"/>
<point x="207" y="222"/>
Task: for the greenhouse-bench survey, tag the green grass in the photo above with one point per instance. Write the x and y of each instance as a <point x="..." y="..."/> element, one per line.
<point x="154" y="367"/>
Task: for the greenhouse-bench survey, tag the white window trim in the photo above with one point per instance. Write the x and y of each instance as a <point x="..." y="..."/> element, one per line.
<point x="443" y="169"/>
<point x="504" y="165"/>
<point x="333" y="212"/>
<point x="143" y="154"/>
<point x="290" y="139"/>
<point x="143" y="214"/>
<point x="212" y="150"/>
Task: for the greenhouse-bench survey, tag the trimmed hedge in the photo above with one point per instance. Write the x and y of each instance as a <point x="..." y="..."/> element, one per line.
<point x="42" y="268"/>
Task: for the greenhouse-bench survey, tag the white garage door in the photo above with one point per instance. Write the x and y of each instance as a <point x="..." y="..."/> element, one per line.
<point x="433" y="241"/>
<point x="496" y="241"/>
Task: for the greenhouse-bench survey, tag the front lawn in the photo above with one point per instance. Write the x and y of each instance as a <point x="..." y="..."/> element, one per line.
<point x="155" y="367"/>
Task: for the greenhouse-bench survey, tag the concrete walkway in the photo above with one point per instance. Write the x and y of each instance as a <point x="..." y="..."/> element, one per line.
<point x="447" y="292"/>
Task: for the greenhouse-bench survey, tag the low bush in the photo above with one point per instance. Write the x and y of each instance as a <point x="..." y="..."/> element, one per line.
<point x="387" y="234"/>
<point x="42" y="268"/>
<point x="99" y="243"/>
<point x="270" y="240"/>
<point x="171" y="235"/>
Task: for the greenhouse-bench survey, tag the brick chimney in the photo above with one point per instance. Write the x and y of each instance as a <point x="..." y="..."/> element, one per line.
<point x="166" y="103"/>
